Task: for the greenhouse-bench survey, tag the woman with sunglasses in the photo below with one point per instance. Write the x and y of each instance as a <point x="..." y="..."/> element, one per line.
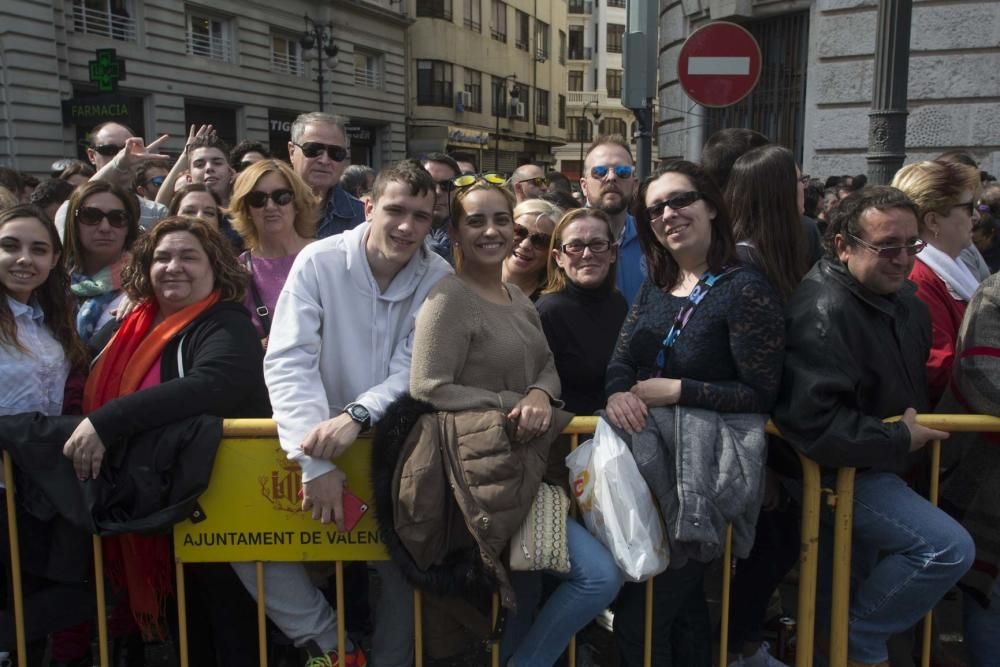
<point x="525" y="267"/>
<point x="196" y="200"/>
<point x="946" y="194"/>
<point x="703" y="332"/>
<point x="479" y="345"/>
<point x="275" y="212"/>
<point x="580" y="309"/>
<point x="102" y="223"/>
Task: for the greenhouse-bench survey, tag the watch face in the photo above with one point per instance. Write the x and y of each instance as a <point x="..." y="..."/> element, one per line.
<point x="359" y="413"/>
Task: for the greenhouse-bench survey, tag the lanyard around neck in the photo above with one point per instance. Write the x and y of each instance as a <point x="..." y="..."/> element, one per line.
<point x="697" y="295"/>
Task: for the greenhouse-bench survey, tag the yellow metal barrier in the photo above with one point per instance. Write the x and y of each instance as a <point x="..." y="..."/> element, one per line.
<point x="288" y="541"/>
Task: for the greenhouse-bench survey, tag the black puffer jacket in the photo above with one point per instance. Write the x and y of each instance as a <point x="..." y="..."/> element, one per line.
<point x="853" y="358"/>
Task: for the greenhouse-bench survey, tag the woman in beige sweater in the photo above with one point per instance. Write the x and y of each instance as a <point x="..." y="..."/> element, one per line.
<point x="479" y="344"/>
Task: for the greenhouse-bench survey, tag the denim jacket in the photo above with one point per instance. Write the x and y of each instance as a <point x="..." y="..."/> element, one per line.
<point x="341" y="212"/>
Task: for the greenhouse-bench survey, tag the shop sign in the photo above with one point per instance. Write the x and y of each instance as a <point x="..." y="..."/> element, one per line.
<point x="458" y="135"/>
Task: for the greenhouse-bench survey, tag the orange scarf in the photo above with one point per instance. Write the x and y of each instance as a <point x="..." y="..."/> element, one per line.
<point x="139" y="563"/>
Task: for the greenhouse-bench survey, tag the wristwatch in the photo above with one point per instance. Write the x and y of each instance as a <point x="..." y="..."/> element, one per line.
<point x="360" y="414"/>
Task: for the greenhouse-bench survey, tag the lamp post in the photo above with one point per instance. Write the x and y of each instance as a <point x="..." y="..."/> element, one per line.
<point x="501" y="90"/>
<point x="597" y="118"/>
<point x="319" y="37"/>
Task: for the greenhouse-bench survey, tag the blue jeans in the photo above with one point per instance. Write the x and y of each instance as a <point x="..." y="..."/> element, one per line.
<point x="587" y="589"/>
<point x="906" y="555"/>
<point x="981" y="627"/>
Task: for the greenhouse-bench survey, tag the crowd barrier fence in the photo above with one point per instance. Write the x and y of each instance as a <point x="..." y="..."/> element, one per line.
<point x="249" y="453"/>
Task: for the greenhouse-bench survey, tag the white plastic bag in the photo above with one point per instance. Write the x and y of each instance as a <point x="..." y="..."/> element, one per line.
<point x="616" y="504"/>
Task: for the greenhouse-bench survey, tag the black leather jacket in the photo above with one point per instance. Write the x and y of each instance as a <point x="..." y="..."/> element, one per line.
<point x="853" y="358"/>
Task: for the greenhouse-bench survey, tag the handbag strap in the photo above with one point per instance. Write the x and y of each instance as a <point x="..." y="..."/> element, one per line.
<point x="697" y="295"/>
<point x="262" y="311"/>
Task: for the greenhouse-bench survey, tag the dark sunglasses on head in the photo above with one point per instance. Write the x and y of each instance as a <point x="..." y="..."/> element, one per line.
<point x="157" y="180"/>
<point x="91" y="216"/>
<point x="313" y="149"/>
<point x="891" y="252"/>
<point x="676" y="203"/>
<point x="258" y="198"/>
<point x="622" y="171"/>
<point x="491" y="177"/>
<point x="107" y="150"/>
<point x="539" y="240"/>
<point x="597" y="247"/>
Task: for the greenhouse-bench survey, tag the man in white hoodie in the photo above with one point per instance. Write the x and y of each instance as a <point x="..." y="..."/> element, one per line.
<point x="338" y="356"/>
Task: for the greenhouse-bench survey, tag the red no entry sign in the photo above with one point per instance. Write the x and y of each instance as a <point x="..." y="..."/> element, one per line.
<point x="719" y="64"/>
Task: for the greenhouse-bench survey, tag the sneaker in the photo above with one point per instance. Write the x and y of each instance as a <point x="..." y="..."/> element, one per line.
<point x="762" y="658"/>
<point x="355" y="658"/>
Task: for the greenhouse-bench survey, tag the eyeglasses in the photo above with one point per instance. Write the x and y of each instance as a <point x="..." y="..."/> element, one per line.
<point x="157" y="180"/>
<point x="107" y="150"/>
<point x="92" y="216"/>
<point x="313" y="149"/>
<point x="891" y="252"/>
<point x="622" y="171"/>
<point x="537" y="181"/>
<point x="539" y="240"/>
<point x="969" y="207"/>
<point x="597" y="247"/>
<point x="258" y="198"/>
<point x="676" y="203"/>
<point x="491" y="177"/>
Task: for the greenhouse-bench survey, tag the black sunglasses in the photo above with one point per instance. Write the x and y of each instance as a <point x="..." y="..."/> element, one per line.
<point x="313" y="149"/>
<point x="539" y="240"/>
<point x="891" y="252"/>
<point x="537" y="181"/>
<point x="676" y="203"/>
<point x="258" y="198"/>
<point x="92" y="216"/>
<point x="107" y="150"/>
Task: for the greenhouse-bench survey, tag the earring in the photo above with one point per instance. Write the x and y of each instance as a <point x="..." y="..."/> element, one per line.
<point x="935" y="233"/>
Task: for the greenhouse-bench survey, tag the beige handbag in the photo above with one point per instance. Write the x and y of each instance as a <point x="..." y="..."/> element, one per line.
<point x="540" y="542"/>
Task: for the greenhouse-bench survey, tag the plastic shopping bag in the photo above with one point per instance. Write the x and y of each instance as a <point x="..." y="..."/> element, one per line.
<point x="616" y="504"/>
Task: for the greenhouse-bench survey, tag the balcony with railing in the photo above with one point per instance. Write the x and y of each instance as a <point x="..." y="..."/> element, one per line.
<point x="210" y="46"/>
<point x="286" y="64"/>
<point x="106" y="24"/>
<point x="367" y="78"/>
<point x="585" y="53"/>
<point x="581" y="7"/>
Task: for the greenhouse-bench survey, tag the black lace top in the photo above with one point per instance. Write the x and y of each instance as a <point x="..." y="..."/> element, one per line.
<point x="728" y="357"/>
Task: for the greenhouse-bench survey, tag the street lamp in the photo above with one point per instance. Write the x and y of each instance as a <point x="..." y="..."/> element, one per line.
<point x="319" y="37"/>
<point x="500" y="92"/>
<point x="597" y="119"/>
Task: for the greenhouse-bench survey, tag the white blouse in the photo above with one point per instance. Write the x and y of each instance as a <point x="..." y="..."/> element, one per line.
<point x="32" y="381"/>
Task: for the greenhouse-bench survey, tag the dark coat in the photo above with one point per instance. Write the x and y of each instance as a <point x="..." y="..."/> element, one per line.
<point x="852" y="359"/>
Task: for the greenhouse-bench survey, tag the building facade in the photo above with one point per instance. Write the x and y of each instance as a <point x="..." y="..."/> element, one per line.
<point x="238" y="65"/>
<point x="488" y="77"/>
<point x="815" y="90"/>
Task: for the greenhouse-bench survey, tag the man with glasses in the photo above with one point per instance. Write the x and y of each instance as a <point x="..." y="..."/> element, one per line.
<point x="443" y="169"/>
<point x="856" y="346"/>
<point x="529" y="182"/>
<point x="320" y="152"/>
<point x="115" y="164"/>
<point x="608" y="184"/>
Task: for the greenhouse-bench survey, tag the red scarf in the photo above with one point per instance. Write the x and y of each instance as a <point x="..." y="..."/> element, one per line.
<point x="139" y="563"/>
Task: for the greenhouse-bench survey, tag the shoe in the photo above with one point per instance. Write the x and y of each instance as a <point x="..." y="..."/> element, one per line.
<point x="355" y="658"/>
<point x="762" y="658"/>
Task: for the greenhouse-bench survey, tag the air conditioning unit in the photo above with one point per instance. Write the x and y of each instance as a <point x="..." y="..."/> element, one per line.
<point x="517" y="110"/>
<point x="463" y="100"/>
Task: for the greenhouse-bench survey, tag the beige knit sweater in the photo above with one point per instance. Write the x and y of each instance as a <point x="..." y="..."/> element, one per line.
<point x="469" y="353"/>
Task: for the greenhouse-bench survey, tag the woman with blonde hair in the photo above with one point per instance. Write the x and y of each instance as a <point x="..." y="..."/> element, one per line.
<point x="946" y="195"/>
<point x="274" y="211"/>
<point x="534" y="220"/>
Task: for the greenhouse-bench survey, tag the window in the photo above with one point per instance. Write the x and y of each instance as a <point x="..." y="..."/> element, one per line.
<point x="521" y="107"/>
<point x="367" y="69"/>
<point x="562" y="47"/>
<point x="613" y="80"/>
<point x="520" y="30"/>
<point x="576" y="42"/>
<point x="498" y="28"/>
<point x="474" y="86"/>
<point x="562" y="112"/>
<point x="616" y="3"/>
<point x="542" y="106"/>
<point x="541" y="40"/>
<point x="435" y="9"/>
<point x="434" y="83"/>
<point x="575" y="6"/>
<point x="473" y="15"/>
<point x="613" y="126"/>
<point x="210" y="37"/>
<point x="579" y="129"/>
<point x="616" y="33"/>
<point x="286" y="54"/>
<point x="109" y="18"/>
<point x="575" y="81"/>
<point x="500" y="92"/>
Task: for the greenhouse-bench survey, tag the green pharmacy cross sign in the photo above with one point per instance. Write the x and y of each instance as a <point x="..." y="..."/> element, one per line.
<point x="107" y="70"/>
